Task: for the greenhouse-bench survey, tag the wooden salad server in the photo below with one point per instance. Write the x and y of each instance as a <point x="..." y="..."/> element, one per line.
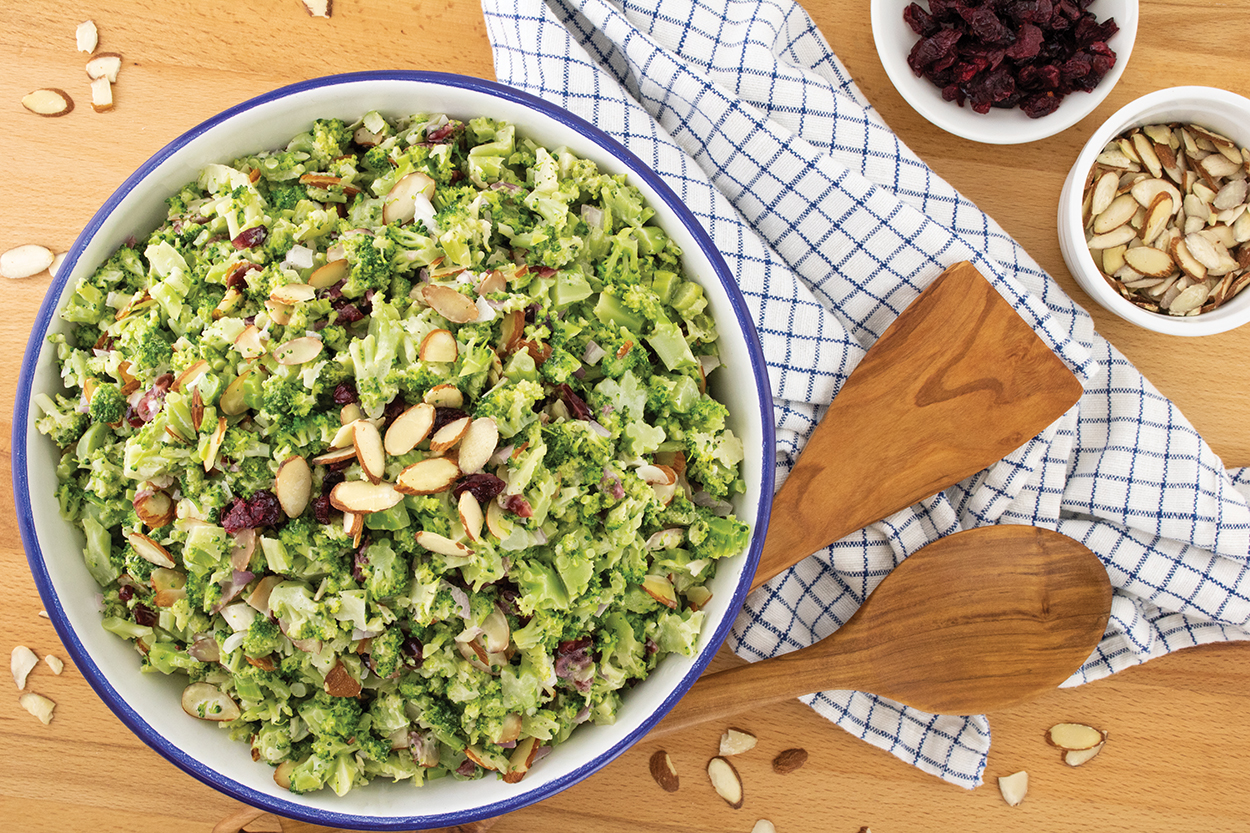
<point x="957" y="382"/>
<point x="976" y="621"/>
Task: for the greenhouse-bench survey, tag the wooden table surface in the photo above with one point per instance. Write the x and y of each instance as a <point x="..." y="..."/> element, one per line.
<point x="1178" y="757"/>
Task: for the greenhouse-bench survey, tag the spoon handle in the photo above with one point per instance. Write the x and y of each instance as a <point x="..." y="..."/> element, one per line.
<point x="751" y="685"/>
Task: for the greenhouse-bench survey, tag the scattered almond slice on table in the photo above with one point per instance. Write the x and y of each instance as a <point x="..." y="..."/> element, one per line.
<point x="54" y="663"/>
<point x="48" y="101"/>
<point x="1013" y="787"/>
<point x="726" y="781"/>
<point x="104" y="65"/>
<point x="1079" y="743"/>
<point x="663" y="770"/>
<point x="21" y="663"/>
<point x="317" y="8"/>
<point x="736" y="741"/>
<point x="87" y="36"/>
<point x="788" y="760"/>
<point x="38" y="705"/>
<point x="25" y="261"/>
<point x="764" y="826"/>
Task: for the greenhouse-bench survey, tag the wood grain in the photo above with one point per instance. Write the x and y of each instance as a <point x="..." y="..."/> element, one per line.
<point x="1179" y="751"/>
<point x="957" y="382"/>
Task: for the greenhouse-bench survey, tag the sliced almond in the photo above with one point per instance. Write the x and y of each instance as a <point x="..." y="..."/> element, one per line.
<point x="1073" y="736"/>
<point x="282" y="772"/>
<point x="349" y="414"/>
<point x="258" y="599"/>
<point x="1190" y="298"/>
<point x="496" y="634"/>
<point x="369" y="451"/>
<point x="232" y="402"/>
<point x="1186" y="261"/>
<point x="409" y="429"/>
<point x="478" y="444"/>
<point x="1013" y="787"/>
<point x="666" y="539"/>
<point x="335" y="456"/>
<point x="511" y="330"/>
<point x="736" y="741"/>
<point x="1146" y="153"/>
<point x="55" y="664"/>
<point x="104" y="65"/>
<point x="479" y="757"/>
<point x="188" y="377"/>
<point x="197" y="410"/>
<point x="362" y="497"/>
<point x="399" y="205"/>
<point x="101" y="95"/>
<point x="438" y="346"/>
<point x="214" y="444"/>
<point x="293" y="485"/>
<point x="445" y="395"/>
<point x="1120" y="211"/>
<point x="1115" y="237"/>
<point x="697" y="597"/>
<point x="208" y="702"/>
<point x="1104" y="193"/>
<point x="328" y="275"/>
<point x="21" y="662"/>
<point x="298" y="350"/>
<point x="1113" y="259"/>
<point x="426" y="477"/>
<point x="726" y="781"/>
<point x="149" y="550"/>
<point x="449" y="303"/>
<point x="354" y="526"/>
<point x="1157" y="216"/>
<point x="522" y="759"/>
<point x="663" y="771"/>
<point x="25" y="261"/>
<point x="87" y="36"/>
<point x="446" y="437"/>
<point x="497" y="521"/>
<point x="660" y="589"/>
<point x="250" y="342"/>
<point x="1076" y="757"/>
<point x="49" y="102"/>
<point x="318" y="8"/>
<point x="293" y="293"/>
<point x="766" y="826"/>
<point x="1203" y="250"/>
<point x="38" y="705"/>
<point x="441" y="544"/>
<point x="340" y="682"/>
<point x="471" y="516"/>
<point x="154" y="507"/>
<point x="492" y="283"/>
<point x="1150" y="261"/>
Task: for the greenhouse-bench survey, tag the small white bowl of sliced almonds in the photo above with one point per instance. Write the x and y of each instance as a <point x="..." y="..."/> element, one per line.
<point x="1154" y="218"/>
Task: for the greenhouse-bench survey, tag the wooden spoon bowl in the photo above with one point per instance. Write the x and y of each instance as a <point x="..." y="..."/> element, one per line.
<point x="977" y="621"/>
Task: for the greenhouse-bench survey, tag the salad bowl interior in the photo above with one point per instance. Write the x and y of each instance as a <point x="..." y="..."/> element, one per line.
<point x="149" y="703"/>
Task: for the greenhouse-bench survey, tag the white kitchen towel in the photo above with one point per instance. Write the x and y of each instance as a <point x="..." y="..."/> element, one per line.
<point x="831" y="227"/>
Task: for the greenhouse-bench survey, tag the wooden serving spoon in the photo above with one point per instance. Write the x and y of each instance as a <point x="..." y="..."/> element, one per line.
<point x="958" y="381"/>
<point x="977" y="621"/>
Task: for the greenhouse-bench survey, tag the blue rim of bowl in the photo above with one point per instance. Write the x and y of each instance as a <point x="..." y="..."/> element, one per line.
<point x="83" y="659"/>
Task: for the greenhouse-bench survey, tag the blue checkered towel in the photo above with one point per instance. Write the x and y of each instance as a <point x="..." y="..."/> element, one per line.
<point x="832" y="226"/>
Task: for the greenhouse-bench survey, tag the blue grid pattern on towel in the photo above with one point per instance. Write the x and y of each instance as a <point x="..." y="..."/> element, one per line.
<point x="832" y="226"/>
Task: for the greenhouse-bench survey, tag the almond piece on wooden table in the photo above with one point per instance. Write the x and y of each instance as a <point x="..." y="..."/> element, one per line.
<point x="317" y="8"/>
<point x="1074" y="736"/>
<point x="101" y="94"/>
<point x="726" y="781"/>
<point x="1013" y="787"/>
<point x="87" y="36"/>
<point x="104" y="65"/>
<point x="663" y="771"/>
<point x="735" y="742"/>
<point x="38" y="705"/>
<point x="21" y="663"/>
<point x="788" y="760"/>
<point x="25" y="261"/>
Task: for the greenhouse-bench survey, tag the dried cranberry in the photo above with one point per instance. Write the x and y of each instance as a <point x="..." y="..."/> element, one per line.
<point x="444" y="134"/>
<point x="394" y="409"/>
<point x="236" y="278"/>
<point x="331" y="479"/>
<point x="483" y="486"/>
<point x="125" y="592"/>
<point x="443" y="415"/>
<point x="574" y="663"/>
<point x="345" y="393"/>
<point x="519" y="506"/>
<point x="1042" y="104"/>
<point x="920" y="21"/>
<point x="250" y="238"/>
<point x="413" y="651"/>
<point x="360" y="559"/>
<point x="144" y="615"/>
<point x="577" y="406"/>
<point x="322" y="509"/>
<point x="348" y="313"/>
<point x="262" y="509"/>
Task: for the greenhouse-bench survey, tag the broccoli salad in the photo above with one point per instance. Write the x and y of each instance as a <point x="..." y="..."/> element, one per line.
<point x="396" y="443"/>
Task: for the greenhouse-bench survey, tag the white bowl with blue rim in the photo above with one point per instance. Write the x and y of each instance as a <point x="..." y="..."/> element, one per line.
<point x="149" y="703"/>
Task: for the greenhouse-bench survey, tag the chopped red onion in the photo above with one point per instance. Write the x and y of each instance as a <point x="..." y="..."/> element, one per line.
<point x="462" y="601"/>
<point x="593" y="215"/>
<point x="593" y="353"/>
<point x="204" y="648"/>
<point x="233" y="641"/>
<point x="709" y="363"/>
<point x="599" y="429"/>
<point x="501" y="455"/>
<point x="705" y="500"/>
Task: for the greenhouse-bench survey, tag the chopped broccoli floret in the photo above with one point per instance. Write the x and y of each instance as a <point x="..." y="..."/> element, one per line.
<point x="107" y="404"/>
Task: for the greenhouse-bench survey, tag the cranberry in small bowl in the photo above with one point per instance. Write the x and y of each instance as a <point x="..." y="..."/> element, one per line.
<point x="1004" y="71"/>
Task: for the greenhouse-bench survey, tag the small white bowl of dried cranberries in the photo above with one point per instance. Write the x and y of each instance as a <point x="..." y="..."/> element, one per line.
<point x="1004" y="71"/>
